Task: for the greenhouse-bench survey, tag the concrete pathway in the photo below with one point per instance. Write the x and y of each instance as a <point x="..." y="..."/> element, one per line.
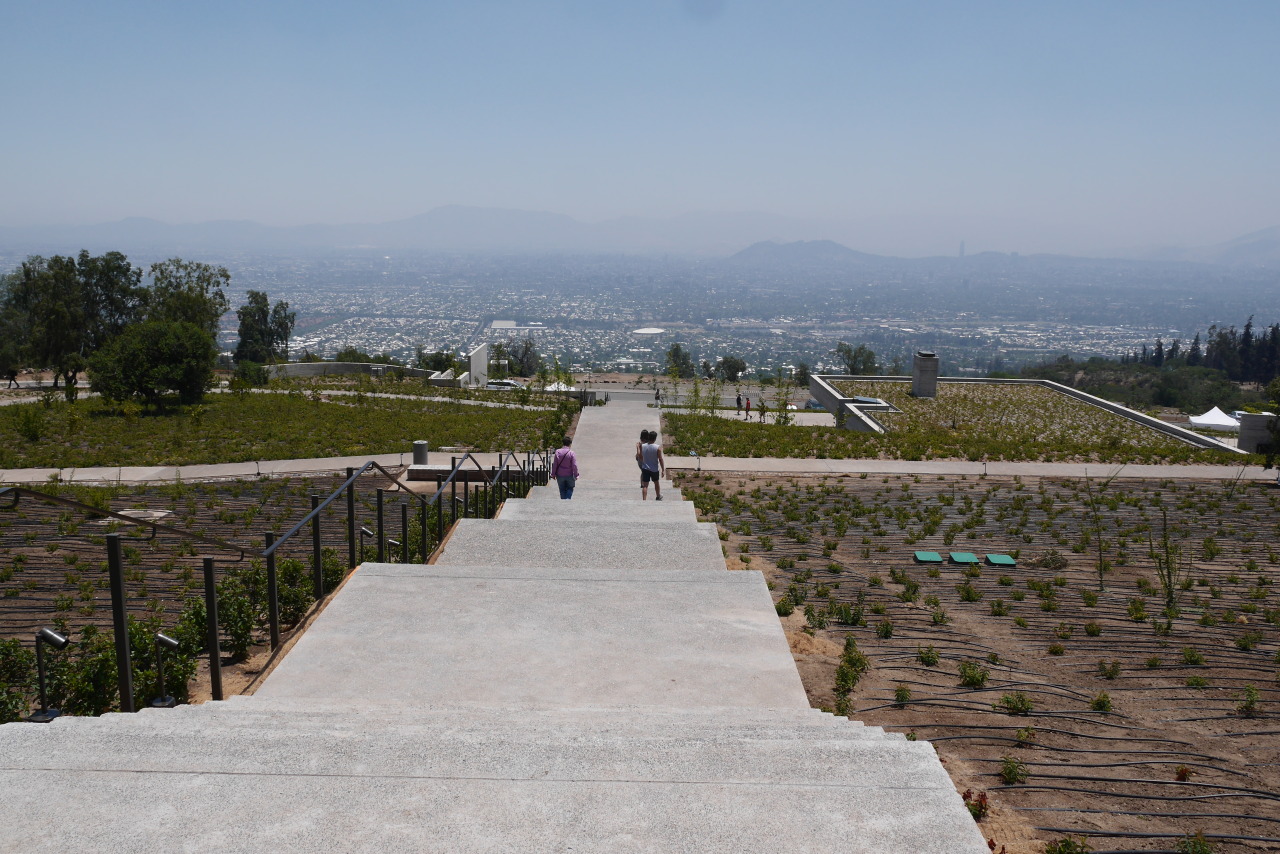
<point x="580" y="676"/>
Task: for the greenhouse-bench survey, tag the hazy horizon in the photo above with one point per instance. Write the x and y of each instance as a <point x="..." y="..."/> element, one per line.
<point x="1082" y="128"/>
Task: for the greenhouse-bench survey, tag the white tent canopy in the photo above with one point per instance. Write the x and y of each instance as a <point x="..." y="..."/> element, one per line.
<point x="1215" y="419"/>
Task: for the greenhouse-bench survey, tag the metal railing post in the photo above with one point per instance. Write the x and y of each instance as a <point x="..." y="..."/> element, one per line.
<point x="439" y="512"/>
<point x="382" y="548"/>
<point x="273" y="592"/>
<point x="466" y="499"/>
<point x="404" y="532"/>
<point x="351" y="521"/>
<point x="120" y="621"/>
<point x="422" y="527"/>
<point x="211" y="630"/>
<point x="317" y="565"/>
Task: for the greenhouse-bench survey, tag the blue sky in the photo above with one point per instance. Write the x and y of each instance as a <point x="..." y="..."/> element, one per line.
<point x="1024" y="126"/>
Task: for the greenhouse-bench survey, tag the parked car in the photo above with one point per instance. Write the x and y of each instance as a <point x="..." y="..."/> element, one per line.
<point x="812" y="403"/>
<point x="502" y="385"/>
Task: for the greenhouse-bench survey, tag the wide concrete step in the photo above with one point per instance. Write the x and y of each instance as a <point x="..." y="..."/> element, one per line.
<point x="606" y="492"/>
<point x="657" y="511"/>
<point x="544" y="637"/>
<point x="621" y="544"/>
<point x="630" y="790"/>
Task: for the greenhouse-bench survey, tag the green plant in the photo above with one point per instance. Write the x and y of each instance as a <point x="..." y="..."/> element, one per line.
<point x="1101" y="702"/>
<point x="927" y="656"/>
<point x="884" y="629"/>
<point x="1068" y="845"/>
<point x="1197" y="682"/>
<point x="1193" y="844"/>
<point x="1191" y="655"/>
<point x="1063" y="631"/>
<point x="1092" y="629"/>
<point x="1109" y="671"/>
<point x="1138" y="610"/>
<point x="1025" y="736"/>
<point x="973" y="674"/>
<point x="1057" y="649"/>
<point x="999" y="608"/>
<point x="1250" y="705"/>
<point x="1247" y="641"/>
<point x="1153" y="662"/>
<point x="1017" y="703"/>
<point x="1013" y="770"/>
<point x="976" y="804"/>
<point x="901" y="695"/>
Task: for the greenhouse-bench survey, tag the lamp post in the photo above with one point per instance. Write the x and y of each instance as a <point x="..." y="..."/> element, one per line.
<point x="57" y="641"/>
<point x="364" y="532"/>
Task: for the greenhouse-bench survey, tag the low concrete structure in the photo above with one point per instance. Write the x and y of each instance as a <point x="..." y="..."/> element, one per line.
<point x="924" y="374"/>
<point x="1255" y="431"/>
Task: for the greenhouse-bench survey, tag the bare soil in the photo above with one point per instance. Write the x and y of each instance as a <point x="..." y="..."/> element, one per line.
<point x="1168" y="760"/>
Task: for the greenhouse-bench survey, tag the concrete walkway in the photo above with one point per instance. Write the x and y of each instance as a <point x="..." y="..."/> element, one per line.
<point x="580" y="676"/>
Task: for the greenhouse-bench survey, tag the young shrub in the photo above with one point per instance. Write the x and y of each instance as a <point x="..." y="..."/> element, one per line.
<point x="1108" y="671"/>
<point x="928" y="656"/>
<point x="1191" y="655"/>
<point x="1250" y="705"/>
<point x="976" y="804"/>
<point x="884" y="629"/>
<point x="1057" y="649"/>
<point x="1025" y="736"/>
<point x="1247" y="641"/>
<point x="1193" y="844"/>
<point x="1138" y="610"/>
<point x="1017" y="703"/>
<point x="973" y="674"/>
<point x="1089" y="597"/>
<point x="1020" y="622"/>
<point x="1153" y="662"/>
<point x="1063" y="631"/>
<point x="968" y="593"/>
<point x="1092" y="629"/>
<point x="999" y="608"/>
<point x="784" y="607"/>
<point x="940" y="617"/>
<point x="1013" y="770"/>
<point x="1068" y="845"/>
<point x="901" y="695"/>
<point x="1182" y="773"/>
<point x="1197" y="682"/>
<point x="1101" y="702"/>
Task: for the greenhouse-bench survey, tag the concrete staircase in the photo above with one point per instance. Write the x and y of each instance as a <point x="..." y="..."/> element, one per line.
<point x="572" y="676"/>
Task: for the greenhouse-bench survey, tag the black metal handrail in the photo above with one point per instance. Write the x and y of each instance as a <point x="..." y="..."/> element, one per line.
<point x="17" y="492"/>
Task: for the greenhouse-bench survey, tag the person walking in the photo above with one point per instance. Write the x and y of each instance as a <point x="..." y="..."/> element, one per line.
<point x="738" y="406"/>
<point x="653" y="465"/>
<point x="747" y="417"/>
<point x="564" y="467"/>
<point x="764" y="410"/>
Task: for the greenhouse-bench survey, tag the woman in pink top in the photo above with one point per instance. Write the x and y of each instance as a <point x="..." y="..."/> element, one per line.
<point x="564" y="468"/>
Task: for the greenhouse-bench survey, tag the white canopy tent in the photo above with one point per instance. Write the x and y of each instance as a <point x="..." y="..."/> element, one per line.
<point x="1215" y="419"/>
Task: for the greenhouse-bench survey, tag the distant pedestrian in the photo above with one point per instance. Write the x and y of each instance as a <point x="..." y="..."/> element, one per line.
<point x="764" y="410"/>
<point x="564" y="467"/>
<point x="657" y="397"/>
<point x="653" y="466"/>
<point x="12" y="374"/>
<point x="747" y="417"/>
<point x="738" y="406"/>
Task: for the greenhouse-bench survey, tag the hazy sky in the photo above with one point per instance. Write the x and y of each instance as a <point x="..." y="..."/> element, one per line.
<point x="1065" y="126"/>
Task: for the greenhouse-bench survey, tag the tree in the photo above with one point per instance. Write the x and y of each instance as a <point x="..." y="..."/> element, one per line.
<point x="437" y="361"/>
<point x="56" y="311"/>
<point x="679" y="363"/>
<point x="858" y="361"/>
<point x="730" y="368"/>
<point x="264" y="331"/>
<point x="802" y="374"/>
<point x="188" y="292"/>
<point x="153" y="359"/>
<point x="525" y="360"/>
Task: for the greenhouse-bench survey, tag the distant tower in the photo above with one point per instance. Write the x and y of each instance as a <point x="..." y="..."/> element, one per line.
<point x="924" y="374"/>
<point x="961" y="248"/>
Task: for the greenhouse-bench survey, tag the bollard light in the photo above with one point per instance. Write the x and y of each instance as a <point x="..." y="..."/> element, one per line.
<point x="57" y="641"/>
<point x="694" y="454"/>
<point x="163" y="642"/>
<point x="393" y="544"/>
<point x="364" y="532"/>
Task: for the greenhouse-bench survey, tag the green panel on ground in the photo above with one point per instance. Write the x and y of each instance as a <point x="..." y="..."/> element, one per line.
<point x="964" y="557"/>
<point x="1001" y="560"/>
<point x="928" y="557"/>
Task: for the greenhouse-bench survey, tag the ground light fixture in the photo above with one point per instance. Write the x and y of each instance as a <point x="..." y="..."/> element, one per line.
<point x="57" y="641"/>
<point x="393" y="544"/>
<point x="364" y="532"/>
<point x="694" y="454"/>
<point x="163" y="642"/>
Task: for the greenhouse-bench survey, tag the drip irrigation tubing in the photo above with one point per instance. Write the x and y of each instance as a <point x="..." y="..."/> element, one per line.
<point x="1151" y="814"/>
<point x="1066" y="732"/>
<point x="1025" y="787"/>
<point x="1149" y="782"/>
<point x="1032" y="745"/>
<point x="1129" y="834"/>
<point x="1115" y="765"/>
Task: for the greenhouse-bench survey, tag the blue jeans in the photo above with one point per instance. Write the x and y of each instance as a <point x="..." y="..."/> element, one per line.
<point x="566" y="484"/>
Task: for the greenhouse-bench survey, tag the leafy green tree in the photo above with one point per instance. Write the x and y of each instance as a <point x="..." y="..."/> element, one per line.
<point x="802" y="374"/>
<point x="17" y="680"/>
<point x="858" y="361"/>
<point x="525" y="360"/>
<point x="730" y="368"/>
<point x="188" y="292"/>
<point x="264" y="330"/>
<point x="153" y="359"/>
<point x="440" y="360"/>
<point x="679" y="363"/>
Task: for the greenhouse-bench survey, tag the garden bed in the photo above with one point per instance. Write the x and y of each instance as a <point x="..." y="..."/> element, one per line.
<point x="1182" y="748"/>
<point x="967" y="421"/>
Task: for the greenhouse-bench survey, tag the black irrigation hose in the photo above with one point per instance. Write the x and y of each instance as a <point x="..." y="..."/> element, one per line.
<point x="1220" y="718"/>
<point x="1037" y="746"/>
<point x="1127" y="834"/>
<point x="1151" y="814"/>
<point x="1066" y="732"/>
<point x="1238" y="734"/>
<point x="1235" y="793"/>
<point x="1116" y="764"/>
<point x="1259" y="792"/>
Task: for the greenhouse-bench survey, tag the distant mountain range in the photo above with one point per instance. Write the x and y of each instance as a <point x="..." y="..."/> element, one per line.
<point x="769" y="239"/>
